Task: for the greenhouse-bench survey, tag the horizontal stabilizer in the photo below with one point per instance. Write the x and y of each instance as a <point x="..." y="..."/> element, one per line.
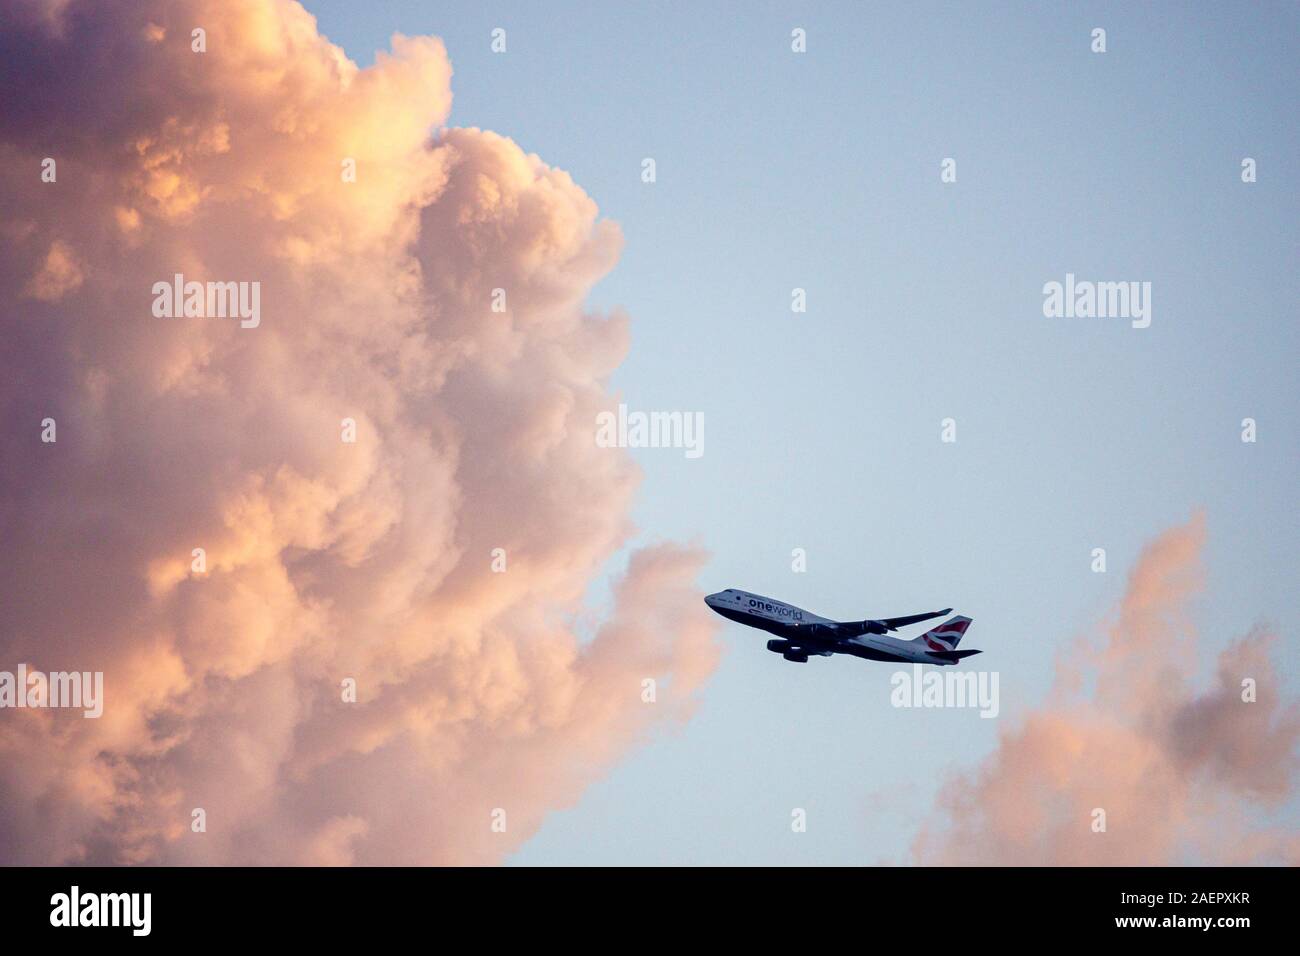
<point x="951" y="656"/>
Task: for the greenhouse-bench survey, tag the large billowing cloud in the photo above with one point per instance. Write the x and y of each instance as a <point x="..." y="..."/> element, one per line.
<point x="325" y="560"/>
<point x="1181" y="774"/>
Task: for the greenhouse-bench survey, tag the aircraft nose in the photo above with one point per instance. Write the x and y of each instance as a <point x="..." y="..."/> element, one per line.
<point x="712" y="599"/>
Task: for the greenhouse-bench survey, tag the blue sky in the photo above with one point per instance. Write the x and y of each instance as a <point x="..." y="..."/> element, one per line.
<point x="821" y="171"/>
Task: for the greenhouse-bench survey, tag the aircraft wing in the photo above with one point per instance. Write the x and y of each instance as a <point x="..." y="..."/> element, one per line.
<point x="894" y="623"/>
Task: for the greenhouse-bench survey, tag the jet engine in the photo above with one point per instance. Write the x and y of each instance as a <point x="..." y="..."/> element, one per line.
<point x="778" y="647"/>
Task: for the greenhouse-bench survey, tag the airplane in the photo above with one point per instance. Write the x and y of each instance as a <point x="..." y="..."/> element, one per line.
<point x="802" y="634"/>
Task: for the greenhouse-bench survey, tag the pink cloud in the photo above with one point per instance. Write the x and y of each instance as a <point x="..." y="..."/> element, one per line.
<point x="325" y="560"/>
<point x="1177" y="771"/>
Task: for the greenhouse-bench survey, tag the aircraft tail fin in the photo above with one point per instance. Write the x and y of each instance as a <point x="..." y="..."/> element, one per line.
<point x="947" y="635"/>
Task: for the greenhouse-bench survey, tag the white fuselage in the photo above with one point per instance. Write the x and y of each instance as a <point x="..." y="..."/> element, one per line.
<point x="801" y="627"/>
